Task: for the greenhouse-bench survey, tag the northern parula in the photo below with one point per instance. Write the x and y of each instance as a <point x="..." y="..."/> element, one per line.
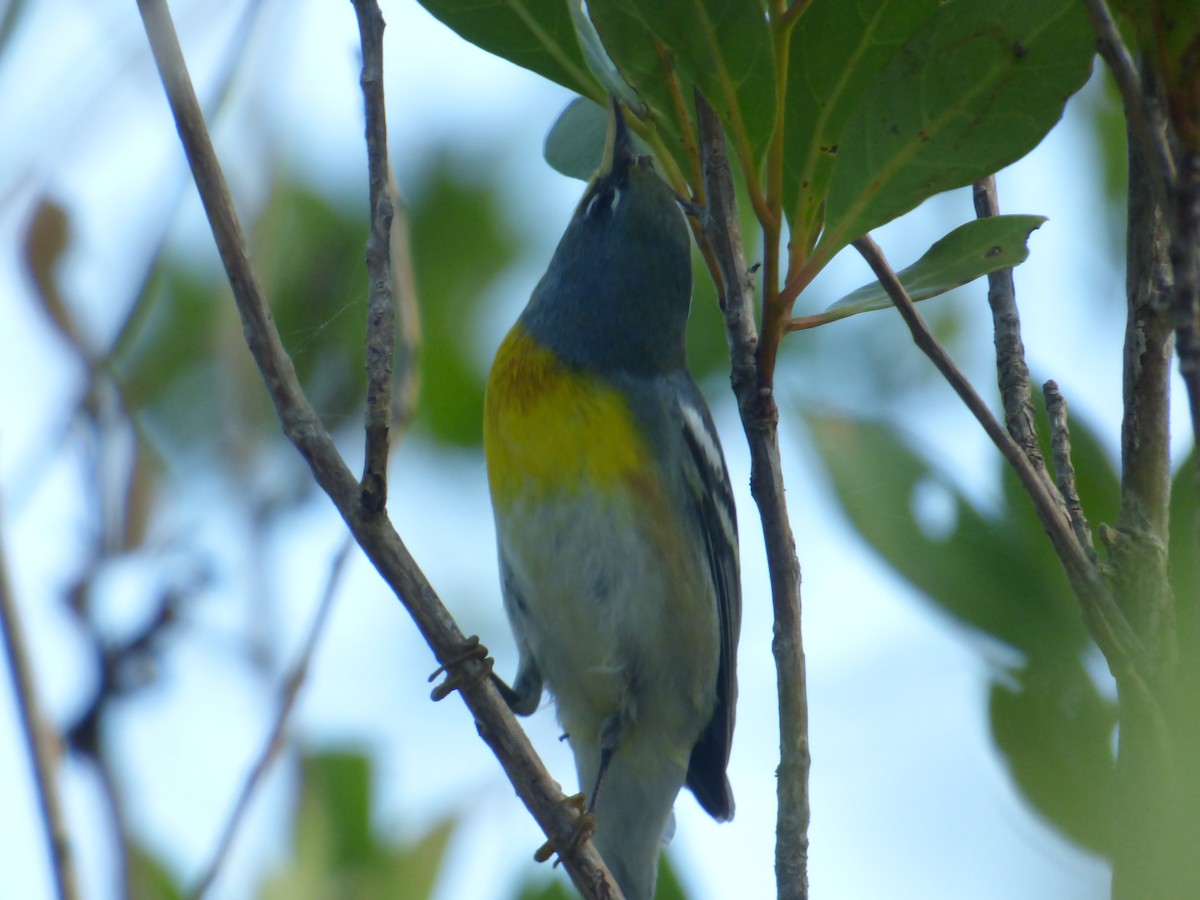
<point x="614" y="517"/>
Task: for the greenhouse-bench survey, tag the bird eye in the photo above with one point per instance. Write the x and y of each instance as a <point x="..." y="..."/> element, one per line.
<point x="603" y="203"/>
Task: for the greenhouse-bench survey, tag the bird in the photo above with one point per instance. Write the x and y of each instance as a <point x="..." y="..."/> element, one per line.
<point x="615" y="519"/>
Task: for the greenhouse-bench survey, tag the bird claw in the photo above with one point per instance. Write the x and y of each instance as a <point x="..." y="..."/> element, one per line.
<point x="584" y="830"/>
<point x="455" y="678"/>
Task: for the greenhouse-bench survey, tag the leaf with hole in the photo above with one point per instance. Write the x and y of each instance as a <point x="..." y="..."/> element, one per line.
<point x="994" y="571"/>
<point x="978" y="248"/>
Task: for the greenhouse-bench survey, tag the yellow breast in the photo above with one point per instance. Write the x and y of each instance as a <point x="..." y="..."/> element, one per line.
<point x="549" y="427"/>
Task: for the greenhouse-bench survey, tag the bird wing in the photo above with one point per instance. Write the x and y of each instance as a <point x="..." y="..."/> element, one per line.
<point x="713" y="508"/>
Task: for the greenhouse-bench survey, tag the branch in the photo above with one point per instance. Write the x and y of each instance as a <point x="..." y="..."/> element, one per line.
<point x="1011" y="370"/>
<point x="1064" y="469"/>
<point x="40" y="742"/>
<point x="274" y="743"/>
<point x="760" y="418"/>
<point x="381" y="312"/>
<point x="1107" y="624"/>
<point x="373" y="532"/>
<point x="1144" y="127"/>
<point x="1137" y="547"/>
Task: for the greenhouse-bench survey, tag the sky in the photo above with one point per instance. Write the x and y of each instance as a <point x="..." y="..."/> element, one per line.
<point x="909" y="798"/>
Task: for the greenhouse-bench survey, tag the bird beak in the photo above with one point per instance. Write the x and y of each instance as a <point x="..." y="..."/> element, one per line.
<point x="619" y="151"/>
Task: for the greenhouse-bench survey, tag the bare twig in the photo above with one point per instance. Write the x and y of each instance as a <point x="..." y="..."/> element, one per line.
<point x="1142" y="125"/>
<point x="1109" y="628"/>
<point x="374" y="533"/>
<point x="1064" y="468"/>
<point x="290" y="690"/>
<point x="760" y="418"/>
<point x="40" y="742"/>
<point x="1011" y="370"/>
<point x="381" y="313"/>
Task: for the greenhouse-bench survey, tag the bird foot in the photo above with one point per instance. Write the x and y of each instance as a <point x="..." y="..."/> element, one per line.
<point x="584" y="829"/>
<point x="453" y="668"/>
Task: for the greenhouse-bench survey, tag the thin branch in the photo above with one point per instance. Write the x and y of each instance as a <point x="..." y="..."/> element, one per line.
<point x="1011" y="371"/>
<point x="1064" y="468"/>
<point x="381" y="311"/>
<point x="40" y="741"/>
<point x="374" y="533"/>
<point x="760" y="418"/>
<point x="1109" y="628"/>
<point x="1149" y="136"/>
<point x="289" y="691"/>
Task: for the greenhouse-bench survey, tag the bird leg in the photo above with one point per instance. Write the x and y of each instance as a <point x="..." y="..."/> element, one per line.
<point x="453" y="668"/>
<point x="584" y="830"/>
<point x="610" y="739"/>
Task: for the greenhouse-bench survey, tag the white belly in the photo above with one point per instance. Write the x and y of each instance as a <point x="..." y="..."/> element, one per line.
<point x="617" y="618"/>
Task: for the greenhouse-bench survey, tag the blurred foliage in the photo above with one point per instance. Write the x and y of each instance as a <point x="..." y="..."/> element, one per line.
<point x="188" y="377"/>
<point x="668" y="887"/>
<point x="1168" y="34"/>
<point x="462" y="241"/>
<point x="335" y="853"/>
<point x="993" y="571"/>
<point x="149" y="879"/>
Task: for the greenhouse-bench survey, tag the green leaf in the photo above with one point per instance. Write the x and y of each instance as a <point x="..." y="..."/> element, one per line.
<point x="996" y="573"/>
<point x="649" y="68"/>
<point x="539" y="888"/>
<point x="575" y="143"/>
<point x="723" y="48"/>
<point x="977" y="248"/>
<point x="538" y="35"/>
<point x="975" y="88"/>
<point x="1055" y="732"/>
<point x="336" y="853"/>
<point x="310" y="251"/>
<point x="149" y="878"/>
<point x="411" y="872"/>
<point x="837" y="49"/>
<point x="1184" y="561"/>
<point x="597" y="57"/>
<point x="462" y="241"/>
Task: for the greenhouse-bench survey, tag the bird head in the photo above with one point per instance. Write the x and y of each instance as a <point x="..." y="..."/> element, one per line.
<point x="618" y="289"/>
